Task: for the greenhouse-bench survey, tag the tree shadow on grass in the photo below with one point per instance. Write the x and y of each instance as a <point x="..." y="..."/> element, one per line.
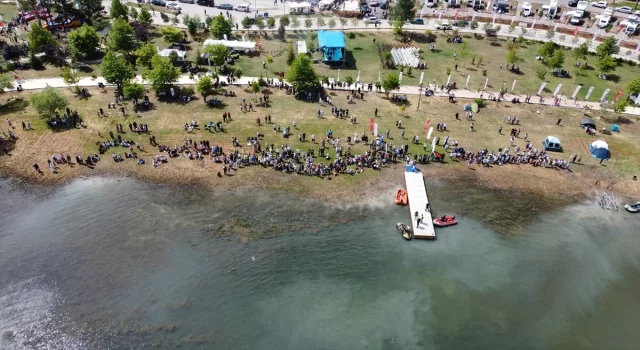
<point x="6" y="146"/>
<point x="613" y="77"/>
<point x="13" y="106"/>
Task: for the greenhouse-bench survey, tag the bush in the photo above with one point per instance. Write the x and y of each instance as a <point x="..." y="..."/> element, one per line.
<point x="351" y="35"/>
<point x="131" y="90"/>
<point x="189" y="91"/>
<point x="484" y="72"/>
<point x="448" y="71"/>
<point x="479" y="102"/>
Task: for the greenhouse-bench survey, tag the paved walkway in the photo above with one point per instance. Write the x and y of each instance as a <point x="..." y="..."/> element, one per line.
<point x="34" y="84"/>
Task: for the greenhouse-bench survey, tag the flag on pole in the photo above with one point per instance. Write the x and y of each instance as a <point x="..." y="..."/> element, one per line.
<point x="466" y="86"/>
<point x="371" y="123"/>
<point x="575" y="92"/>
<point x="513" y="86"/>
<point x="555" y="93"/>
<point x="426" y="124"/>
<point x="375" y="129"/>
<point x="604" y="95"/>
<point x="618" y="96"/>
<point x="542" y="87"/>
<point x="485" y="84"/>
<point x="589" y="93"/>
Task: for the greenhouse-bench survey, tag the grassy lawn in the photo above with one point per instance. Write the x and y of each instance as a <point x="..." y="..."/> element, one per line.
<point x="166" y="120"/>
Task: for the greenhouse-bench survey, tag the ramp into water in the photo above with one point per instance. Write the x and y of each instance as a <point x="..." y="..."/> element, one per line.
<point x="417" y="193"/>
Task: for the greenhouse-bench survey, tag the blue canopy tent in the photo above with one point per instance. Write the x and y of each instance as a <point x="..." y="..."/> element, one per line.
<point x="600" y="150"/>
<point x="332" y="46"/>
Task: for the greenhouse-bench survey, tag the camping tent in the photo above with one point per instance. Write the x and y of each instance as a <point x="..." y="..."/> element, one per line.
<point x="614" y="127"/>
<point x="600" y="150"/>
<point x="552" y="143"/>
<point x="588" y="123"/>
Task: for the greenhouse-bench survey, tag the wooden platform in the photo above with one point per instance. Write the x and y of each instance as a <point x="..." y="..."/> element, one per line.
<point x="417" y="193"/>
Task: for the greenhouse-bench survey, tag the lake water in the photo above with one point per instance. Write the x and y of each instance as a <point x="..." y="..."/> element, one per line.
<point x="120" y="264"/>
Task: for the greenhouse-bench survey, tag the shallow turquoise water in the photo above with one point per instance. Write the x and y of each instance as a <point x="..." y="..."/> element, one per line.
<point x="120" y="264"/>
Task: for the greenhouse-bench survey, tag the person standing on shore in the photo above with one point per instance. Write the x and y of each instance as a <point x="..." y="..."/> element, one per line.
<point x="418" y="221"/>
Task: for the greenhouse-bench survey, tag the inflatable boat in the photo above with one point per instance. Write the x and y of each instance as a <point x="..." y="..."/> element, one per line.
<point x="446" y="220"/>
<point x="401" y="197"/>
<point x="405" y="231"/>
<point x="633" y="207"/>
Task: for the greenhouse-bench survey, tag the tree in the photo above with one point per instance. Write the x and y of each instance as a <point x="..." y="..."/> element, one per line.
<point x="348" y="80"/>
<point x="308" y="22"/>
<point x="246" y="23"/>
<point x="144" y="17"/>
<point x="620" y="106"/>
<point x="291" y="56"/>
<point x="511" y="45"/>
<point x="557" y="60"/>
<point x="90" y="8"/>
<point x="116" y="70"/>
<point x="301" y="74"/>
<point x="48" y="101"/>
<point x="5" y="83"/>
<point x="541" y="73"/>
<point x="320" y="22"/>
<point x="171" y="35"/>
<point x="165" y="18"/>
<point x="271" y="23"/>
<point x="83" y="42"/>
<point x="634" y="86"/>
<point x="464" y="49"/>
<point x="122" y="36"/>
<point x="173" y="57"/>
<point x="512" y="56"/>
<point x="39" y="37"/>
<point x="220" y="26"/>
<point x="474" y="24"/>
<point x="397" y="27"/>
<point x="255" y="87"/>
<point x="131" y="90"/>
<point x="260" y="23"/>
<point x="145" y="55"/>
<point x="69" y="76"/>
<point x="281" y="31"/>
<point x="343" y="21"/>
<point x="284" y="21"/>
<point x="163" y="73"/>
<point x="354" y="22"/>
<point x="608" y="47"/>
<point x="205" y="87"/>
<point x="133" y="13"/>
<point x="295" y="23"/>
<point x="547" y="49"/>
<point x="550" y="33"/>
<point x="192" y="23"/>
<point x="606" y="65"/>
<point x="118" y="10"/>
<point x="269" y="61"/>
<point x="390" y="83"/>
<point x="332" y="23"/>
<point x="403" y="10"/>
<point x="217" y="54"/>
<point x="581" y="51"/>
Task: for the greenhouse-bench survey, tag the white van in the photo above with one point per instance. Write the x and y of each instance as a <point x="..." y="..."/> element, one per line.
<point x="243" y="8"/>
<point x="526" y="9"/>
<point x="604" y="21"/>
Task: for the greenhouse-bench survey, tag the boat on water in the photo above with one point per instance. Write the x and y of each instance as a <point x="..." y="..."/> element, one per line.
<point x="445" y="220"/>
<point x="633" y="207"/>
<point x="401" y="197"/>
<point x="405" y="231"/>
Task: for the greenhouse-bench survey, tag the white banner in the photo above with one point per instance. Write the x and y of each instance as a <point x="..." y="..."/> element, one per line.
<point x="589" y="93"/>
<point x="604" y="94"/>
<point x="485" y="84"/>
<point x="542" y="87"/>
<point x="555" y="93"/>
<point x="575" y="92"/>
<point x="433" y="144"/>
<point x="513" y="86"/>
<point x="400" y="77"/>
<point x="466" y="86"/>
<point x="375" y="129"/>
<point x="431" y="131"/>
<point x="448" y="80"/>
<point x="421" y="78"/>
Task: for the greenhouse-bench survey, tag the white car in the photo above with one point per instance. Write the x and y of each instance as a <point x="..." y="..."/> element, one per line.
<point x="625" y="9"/>
<point x="600" y="4"/>
<point x="576" y="19"/>
<point x="373" y="19"/>
<point x="431" y="3"/>
<point x="444" y="25"/>
<point x="604" y="21"/>
<point x="526" y="9"/>
<point x="582" y="5"/>
<point x="174" y="6"/>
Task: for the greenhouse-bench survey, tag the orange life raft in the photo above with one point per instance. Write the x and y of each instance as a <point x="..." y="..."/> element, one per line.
<point x="401" y="197"/>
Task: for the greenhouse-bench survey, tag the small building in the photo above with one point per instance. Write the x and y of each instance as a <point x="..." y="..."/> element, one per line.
<point x="332" y="45"/>
<point x="552" y="143"/>
<point x="167" y="52"/>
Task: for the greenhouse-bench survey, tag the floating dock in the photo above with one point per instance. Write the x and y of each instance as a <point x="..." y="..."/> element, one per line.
<point x="417" y="193"/>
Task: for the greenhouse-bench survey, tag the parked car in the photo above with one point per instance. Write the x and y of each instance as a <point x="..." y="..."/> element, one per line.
<point x="187" y="1"/>
<point x="208" y="3"/>
<point x="625" y="9"/>
<point x="158" y="3"/>
<point x="242" y="8"/>
<point x="174" y="6"/>
<point x="600" y="4"/>
<point x="417" y="21"/>
<point x="372" y="19"/>
<point x="560" y="73"/>
<point x="576" y="19"/>
<point x="603" y="21"/>
<point x="573" y="3"/>
<point x="432" y="3"/>
<point x="225" y="7"/>
<point x="444" y="25"/>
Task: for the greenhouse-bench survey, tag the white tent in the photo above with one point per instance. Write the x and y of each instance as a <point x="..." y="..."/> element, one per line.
<point x="232" y="44"/>
<point x="302" y="47"/>
<point x="299" y="7"/>
<point x="167" y="52"/>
